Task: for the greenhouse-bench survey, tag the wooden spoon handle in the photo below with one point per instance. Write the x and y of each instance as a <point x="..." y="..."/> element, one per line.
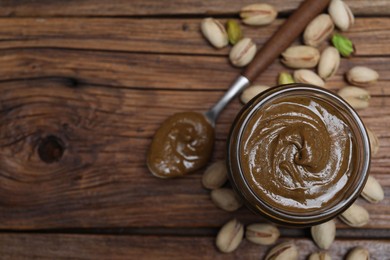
<point x="286" y="34"/>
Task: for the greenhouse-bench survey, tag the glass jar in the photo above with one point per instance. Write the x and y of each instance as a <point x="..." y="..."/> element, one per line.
<point x="248" y="189"/>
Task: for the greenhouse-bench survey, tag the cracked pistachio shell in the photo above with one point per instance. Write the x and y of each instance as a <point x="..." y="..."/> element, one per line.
<point x="243" y="52"/>
<point x="374" y="141"/>
<point x="329" y="62"/>
<point x="215" y="175"/>
<point x="355" y="216"/>
<point x="318" y="30"/>
<point x="358" y="98"/>
<point x="258" y="14"/>
<point x="308" y="77"/>
<point x="230" y="236"/>
<point x="214" y="32"/>
<point x="362" y="76"/>
<point x="341" y="14"/>
<point x="226" y="199"/>
<point x="373" y="191"/>
<point x="251" y="92"/>
<point x="300" y="57"/>
<point x="320" y="256"/>
<point x="324" y="234"/>
<point x="358" y="253"/>
<point x="262" y="234"/>
<point x="285" y="78"/>
<point x="283" y="251"/>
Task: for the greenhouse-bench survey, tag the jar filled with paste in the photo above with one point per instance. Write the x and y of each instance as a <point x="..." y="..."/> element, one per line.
<point x="298" y="155"/>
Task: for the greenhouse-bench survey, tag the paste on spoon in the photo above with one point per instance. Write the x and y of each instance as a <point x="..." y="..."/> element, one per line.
<point x="182" y="145"/>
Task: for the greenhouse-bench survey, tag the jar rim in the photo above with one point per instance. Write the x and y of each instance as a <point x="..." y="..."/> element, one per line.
<point x="239" y="181"/>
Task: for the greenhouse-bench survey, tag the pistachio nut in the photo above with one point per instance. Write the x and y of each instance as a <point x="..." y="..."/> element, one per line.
<point x="230" y="236"/>
<point x="214" y="32"/>
<point x="355" y="216"/>
<point x="308" y="77"/>
<point x="373" y="191"/>
<point x="343" y="45"/>
<point x="262" y="234"/>
<point x="243" y="52"/>
<point x="341" y="14"/>
<point x="374" y="141"/>
<point x="226" y="199"/>
<point x="285" y="78"/>
<point x="300" y="57"/>
<point x="283" y="251"/>
<point x="215" y="175"/>
<point x="251" y="92"/>
<point x="258" y="14"/>
<point x="234" y="31"/>
<point x="362" y="76"/>
<point x="358" y="98"/>
<point x="358" y="253"/>
<point x="320" y="256"/>
<point x="324" y="234"/>
<point x="318" y="30"/>
<point x="329" y="62"/>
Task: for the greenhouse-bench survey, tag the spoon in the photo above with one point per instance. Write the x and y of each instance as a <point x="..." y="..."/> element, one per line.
<point x="184" y="142"/>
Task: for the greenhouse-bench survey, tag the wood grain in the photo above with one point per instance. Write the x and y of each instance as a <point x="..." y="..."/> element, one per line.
<point x="167" y="7"/>
<point x="60" y="246"/>
<point x="84" y="84"/>
<point x="101" y="179"/>
<point x="371" y="36"/>
<point x="156" y="71"/>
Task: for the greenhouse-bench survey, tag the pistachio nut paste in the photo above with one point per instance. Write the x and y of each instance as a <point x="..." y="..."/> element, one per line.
<point x="297" y="153"/>
<point x="182" y="144"/>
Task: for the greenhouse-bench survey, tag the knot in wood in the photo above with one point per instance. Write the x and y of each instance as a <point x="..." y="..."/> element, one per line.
<point x="51" y="149"/>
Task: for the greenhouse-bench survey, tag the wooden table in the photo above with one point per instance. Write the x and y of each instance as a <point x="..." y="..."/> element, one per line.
<point x="83" y="87"/>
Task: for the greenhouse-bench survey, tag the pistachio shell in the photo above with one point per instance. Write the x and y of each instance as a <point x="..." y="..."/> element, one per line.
<point x="373" y="191"/>
<point x="341" y="14"/>
<point x="355" y="216"/>
<point x="214" y="32"/>
<point x="324" y="234"/>
<point x="262" y="234"/>
<point x="358" y="253"/>
<point x="258" y="14"/>
<point x="318" y="30"/>
<point x="362" y="76"/>
<point x="300" y="57"/>
<point x="243" y="52"/>
<point x="230" y="236"/>
<point x="215" y="175"/>
<point x="308" y="77"/>
<point x="226" y="199"/>
<point x="283" y="251"/>
<point x="374" y="142"/>
<point x="320" y="256"/>
<point x="358" y="98"/>
<point x="251" y="92"/>
<point x="329" y="62"/>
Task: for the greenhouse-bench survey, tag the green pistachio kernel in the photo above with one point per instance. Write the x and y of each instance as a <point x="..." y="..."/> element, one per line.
<point x="234" y="31"/>
<point x="285" y="78"/>
<point x="343" y="45"/>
